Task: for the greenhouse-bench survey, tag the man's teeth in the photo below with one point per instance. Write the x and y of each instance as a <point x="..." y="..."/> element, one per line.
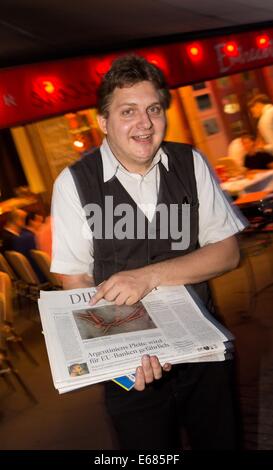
<point x="142" y="137"/>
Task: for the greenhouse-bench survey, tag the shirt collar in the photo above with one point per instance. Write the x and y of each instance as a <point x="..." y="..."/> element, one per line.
<point x="111" y="164"/>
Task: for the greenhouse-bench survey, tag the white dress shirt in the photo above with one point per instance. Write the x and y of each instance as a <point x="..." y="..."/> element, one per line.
<point x="72" y="238"/>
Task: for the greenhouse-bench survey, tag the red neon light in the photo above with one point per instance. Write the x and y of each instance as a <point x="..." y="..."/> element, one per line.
<point x="157" y="60"/>
<point x="263" y="41"/>
<point x="103" y="66"/>
<point x="48" y="86"/>
<point x="231" y="49"/>
<point x="195" y="51"/>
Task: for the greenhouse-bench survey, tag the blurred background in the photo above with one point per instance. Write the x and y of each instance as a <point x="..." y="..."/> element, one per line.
<point x="217" y="58"/>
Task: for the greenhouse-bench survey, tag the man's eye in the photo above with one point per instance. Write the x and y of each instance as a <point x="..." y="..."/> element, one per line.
<point x="155" y="110"/>
<point x="127" y="112"/>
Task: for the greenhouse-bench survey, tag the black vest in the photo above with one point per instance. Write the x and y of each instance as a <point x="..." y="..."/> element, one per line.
<point x="177" y="186"/>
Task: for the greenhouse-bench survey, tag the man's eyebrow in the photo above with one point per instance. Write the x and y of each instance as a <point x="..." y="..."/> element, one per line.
<point x="127" y="104"/>
<point x="136" y="104"/>
<point x="154" y="104"/>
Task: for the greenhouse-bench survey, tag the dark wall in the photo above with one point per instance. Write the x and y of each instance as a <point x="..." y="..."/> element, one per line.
<point x="11" y="171"/>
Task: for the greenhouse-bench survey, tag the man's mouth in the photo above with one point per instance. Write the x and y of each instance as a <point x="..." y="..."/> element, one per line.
<point x="142" y="138"/>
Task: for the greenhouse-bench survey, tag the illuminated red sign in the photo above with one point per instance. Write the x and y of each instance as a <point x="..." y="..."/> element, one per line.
<point x="33" y="92"/>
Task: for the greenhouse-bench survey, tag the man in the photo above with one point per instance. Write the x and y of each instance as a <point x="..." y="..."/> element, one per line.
<point x="236" y="150"/>
<point x="12" y="229"/>
<point x="26" y="241"/>
<point x="255" y="156"/>
<point x="261" y="109"/>
<point x="135" y="167"/>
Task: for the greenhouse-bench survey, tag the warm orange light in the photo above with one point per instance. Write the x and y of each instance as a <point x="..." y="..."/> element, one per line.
<point x="263" y="41"/>
<point x="195" y="51"/>
<point x="231" y="49"/>
<point x="48" y="86"/>
<point x="78" y="143"/>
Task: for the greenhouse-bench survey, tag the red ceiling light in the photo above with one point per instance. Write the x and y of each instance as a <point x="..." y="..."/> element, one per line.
<point x="194" y="51"/>
<point x="104" y="66"/>
<point x="231" y="49"/>
<point x="158" y="60"/>
<point x="48" y="86"/>
<point x="263" y="41"/>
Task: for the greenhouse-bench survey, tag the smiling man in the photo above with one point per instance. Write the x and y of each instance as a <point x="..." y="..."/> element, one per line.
<point x="135" y="125"/>
<point x="136" y="169"/>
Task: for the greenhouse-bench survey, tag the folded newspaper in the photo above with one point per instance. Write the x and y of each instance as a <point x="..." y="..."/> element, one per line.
<point x="91" y="344"/>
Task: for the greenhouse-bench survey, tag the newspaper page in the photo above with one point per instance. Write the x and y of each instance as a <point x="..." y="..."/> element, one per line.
<point x="90" y="344"/>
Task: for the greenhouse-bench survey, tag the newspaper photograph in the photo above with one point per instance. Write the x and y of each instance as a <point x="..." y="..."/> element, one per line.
<point x="90" y="344"/>
<point x="111" y="320"/>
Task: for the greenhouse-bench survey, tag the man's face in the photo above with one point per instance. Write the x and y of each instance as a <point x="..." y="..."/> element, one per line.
<point x="37" y="222"/>
<point x="77" y="369"/>
<point x="135" y="126"/>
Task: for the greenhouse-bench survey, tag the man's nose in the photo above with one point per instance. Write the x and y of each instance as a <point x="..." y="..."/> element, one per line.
<point x="144" y="121"/>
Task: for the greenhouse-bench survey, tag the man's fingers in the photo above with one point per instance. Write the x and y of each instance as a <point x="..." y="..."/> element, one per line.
<point x="139" y="380"/>
<point x="121" y="299"/>
<point x="98" y="296"/>
<point x="149" y="371"/>
<point x="112" y="294"/>
<point x="102" y="290"/>
<point x="156" y="367"/>
<point x="167" y="367"/>
<point x="147" y="368"/>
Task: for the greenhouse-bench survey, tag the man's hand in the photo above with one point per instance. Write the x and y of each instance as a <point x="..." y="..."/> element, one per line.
<point x="149" y="371"/>
<point x="125" y="287"/>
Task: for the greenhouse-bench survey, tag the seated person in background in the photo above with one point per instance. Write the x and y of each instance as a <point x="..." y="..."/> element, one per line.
<point x="12" y="229"/>
<point x="261" y="109"/>
<point x="236" y="150"/>
<point x="256" y="157"/>
<point x="27" y="241"/>
<point x="44" y="237"/>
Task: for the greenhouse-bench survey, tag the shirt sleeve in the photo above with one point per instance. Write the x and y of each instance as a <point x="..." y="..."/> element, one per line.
<point x="218" y="219"/>
<point x="72" y="247"/>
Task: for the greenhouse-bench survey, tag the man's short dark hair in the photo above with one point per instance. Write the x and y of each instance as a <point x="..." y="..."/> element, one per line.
<point x="126" y="71"/>
<point x="264" y="99"/>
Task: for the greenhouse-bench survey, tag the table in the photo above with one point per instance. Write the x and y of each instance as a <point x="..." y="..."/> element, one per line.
<point x="261" y="180"/>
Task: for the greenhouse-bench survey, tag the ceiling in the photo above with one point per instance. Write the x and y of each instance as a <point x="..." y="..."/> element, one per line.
<point x="39" y="30"/>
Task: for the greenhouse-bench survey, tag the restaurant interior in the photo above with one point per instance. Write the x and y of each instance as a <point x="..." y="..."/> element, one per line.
<point x="208" y="114"/>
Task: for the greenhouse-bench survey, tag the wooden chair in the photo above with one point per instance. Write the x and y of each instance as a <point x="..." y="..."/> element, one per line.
<point x="6" y="268"/>
<point x="19" y="285"/>
<point x="9" y="336"/>
<point x="6" y="300"/>
<point x="23" y="268"/>
<point x="43" y="261"/>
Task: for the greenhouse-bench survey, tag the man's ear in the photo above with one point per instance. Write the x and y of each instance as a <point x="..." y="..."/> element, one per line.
<point x="102" y="123"/>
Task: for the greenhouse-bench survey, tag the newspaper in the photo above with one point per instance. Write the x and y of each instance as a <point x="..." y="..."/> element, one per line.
<point x="91" y="344"/>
